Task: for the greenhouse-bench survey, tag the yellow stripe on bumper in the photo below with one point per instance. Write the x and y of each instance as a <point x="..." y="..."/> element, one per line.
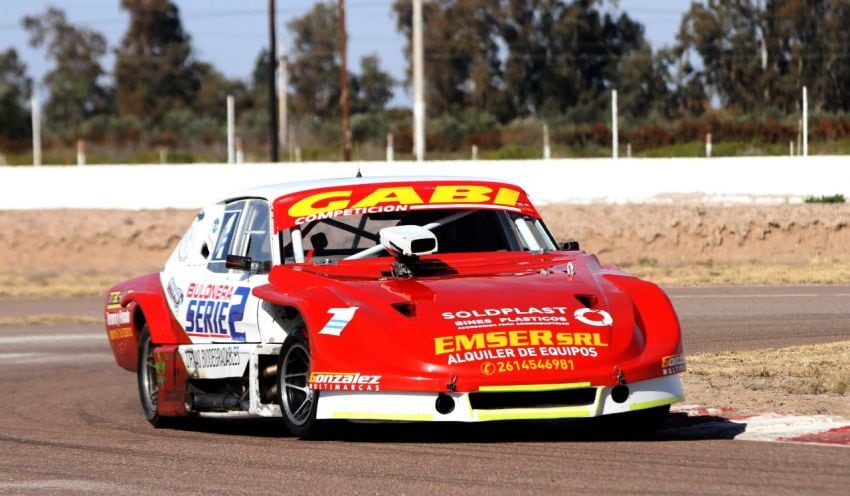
<point x="533" y="387"/>
<point x="653" y="404"/>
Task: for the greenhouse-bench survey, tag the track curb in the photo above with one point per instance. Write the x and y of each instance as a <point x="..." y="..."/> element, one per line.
<point x="695" y="421"/>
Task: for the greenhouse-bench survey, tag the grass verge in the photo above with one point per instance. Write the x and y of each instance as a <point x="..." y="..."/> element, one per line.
<point x="801" y="380"/>
<point x="808" y="369"/>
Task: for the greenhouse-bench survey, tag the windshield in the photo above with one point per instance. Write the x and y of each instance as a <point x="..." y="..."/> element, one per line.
<point x="457" y="231"/>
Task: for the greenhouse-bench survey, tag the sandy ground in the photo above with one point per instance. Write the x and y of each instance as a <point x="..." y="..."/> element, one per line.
<point x="130" y="242"/>
<point x="728" y="392"/>
<point x="685" y="235"/>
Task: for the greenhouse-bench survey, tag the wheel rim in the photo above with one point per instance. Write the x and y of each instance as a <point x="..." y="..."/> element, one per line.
<point x="297" y="396"/>
<point x="149" y="389"/>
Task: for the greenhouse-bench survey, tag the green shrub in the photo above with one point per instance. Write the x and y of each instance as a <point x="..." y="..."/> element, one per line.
<point x="837" y="198"/>
<point x="513" y="152"/>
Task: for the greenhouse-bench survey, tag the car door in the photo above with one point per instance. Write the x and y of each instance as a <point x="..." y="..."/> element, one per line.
<point x="216" y="303"/>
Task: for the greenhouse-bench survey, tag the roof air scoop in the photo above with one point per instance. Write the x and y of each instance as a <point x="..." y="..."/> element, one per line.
<point x="407" y="244"/>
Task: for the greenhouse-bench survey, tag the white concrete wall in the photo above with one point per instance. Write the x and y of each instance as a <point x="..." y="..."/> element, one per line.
<point x="716" y="180"/>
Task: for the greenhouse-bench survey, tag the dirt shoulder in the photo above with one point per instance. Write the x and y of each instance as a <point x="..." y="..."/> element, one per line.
<point x="670" y="244"/>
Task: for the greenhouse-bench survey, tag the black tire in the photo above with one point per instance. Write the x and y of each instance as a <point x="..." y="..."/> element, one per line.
<point x="146" y="376"/>
<point x="297" y="401"/>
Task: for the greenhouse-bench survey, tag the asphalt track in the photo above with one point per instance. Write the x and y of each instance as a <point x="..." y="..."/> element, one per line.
<point x="71" y="424"/>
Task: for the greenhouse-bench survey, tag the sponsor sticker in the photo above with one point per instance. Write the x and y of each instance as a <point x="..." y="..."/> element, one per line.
<point x="114" y="300"/>
<point x="174" y="292"/>
<point x="673" y="364"/>
<point x="508" y="317"/>
<point x="340" y="317"/>
<point x="122" y="316"/>
<point x="344" y="381"/>
<point x="208" y="357"/>
<point x="327" y="203"/>
<point x="516" y="344"/>
<point x="120" y="333"/>
<point x="591" y="317"/>
<point x="213" y="361"/>
<point x="213" y="310"/>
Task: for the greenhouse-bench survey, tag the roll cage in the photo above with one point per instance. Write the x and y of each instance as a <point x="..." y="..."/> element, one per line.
<point x="473" y="230"/>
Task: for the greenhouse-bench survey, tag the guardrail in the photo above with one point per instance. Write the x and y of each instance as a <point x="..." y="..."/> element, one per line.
<point x="699" y="180"/>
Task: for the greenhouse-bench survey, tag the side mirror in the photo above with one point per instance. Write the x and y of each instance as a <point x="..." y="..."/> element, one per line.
<point x="246" y="264"/>
<point x="570" y="246"/>
<point x="237" y="262"/>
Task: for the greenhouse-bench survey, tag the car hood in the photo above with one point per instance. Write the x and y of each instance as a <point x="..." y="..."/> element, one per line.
<point x="554" y="313"/>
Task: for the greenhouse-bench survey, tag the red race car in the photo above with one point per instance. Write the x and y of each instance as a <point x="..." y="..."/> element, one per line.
<point x="391" y="299"/>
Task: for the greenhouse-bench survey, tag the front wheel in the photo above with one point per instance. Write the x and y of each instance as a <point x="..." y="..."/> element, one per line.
<point x="146" y="375"/>
<point x="297" y="401"/>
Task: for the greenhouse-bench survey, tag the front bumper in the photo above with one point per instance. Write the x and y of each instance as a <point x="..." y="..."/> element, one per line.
<point x="533" y="402"/>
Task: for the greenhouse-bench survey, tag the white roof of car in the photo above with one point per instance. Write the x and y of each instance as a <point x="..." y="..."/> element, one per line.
<point x="273" y="191"/>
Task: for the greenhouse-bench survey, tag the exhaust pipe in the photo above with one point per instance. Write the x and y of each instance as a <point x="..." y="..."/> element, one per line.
<point x="620" y="393"/>
<point x="215" y="402"/>
<point x="445" y="404"/>
<point x="270" y="370"/>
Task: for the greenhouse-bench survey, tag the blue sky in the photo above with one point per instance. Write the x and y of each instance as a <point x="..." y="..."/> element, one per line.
<point x="231" y="34"/>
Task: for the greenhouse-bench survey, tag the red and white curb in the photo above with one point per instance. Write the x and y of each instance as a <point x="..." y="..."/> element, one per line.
<point x="725" y="423"/>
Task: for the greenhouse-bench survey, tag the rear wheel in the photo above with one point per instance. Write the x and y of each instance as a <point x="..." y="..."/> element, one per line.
<point x="297" y="401"/>
<point x="146" y="375"/>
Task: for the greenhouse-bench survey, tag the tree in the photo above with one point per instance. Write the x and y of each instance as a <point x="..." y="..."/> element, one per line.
<point x="753" y="58"/>
<point x="584" y="49"/>
<point x="514" y="58"/>
<point x="375" y="87"/>
<point x="462" y="64"/>
<point x="15" y="91"/>
<point x="155" y="71"/>
<point x="210" y="99"/>
<point x="76" y="92"/>
<point x="314" y="70"/>
<point x="642" y="84"/>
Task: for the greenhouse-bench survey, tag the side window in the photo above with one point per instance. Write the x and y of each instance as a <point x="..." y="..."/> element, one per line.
<point x="255" y="237"/>
<point x="225" y="243"/>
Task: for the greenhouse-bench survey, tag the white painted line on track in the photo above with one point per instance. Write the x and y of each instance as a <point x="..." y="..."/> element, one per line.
<point x="771" y="427"/>
<point x="61" y="485"/>
<point x="16" y="356"/>
<point x="47" y="358"/>
<point x="57" y="338"/>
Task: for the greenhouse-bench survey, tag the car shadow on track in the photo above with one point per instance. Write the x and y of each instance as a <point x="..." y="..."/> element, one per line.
<point x="677" y="427"/>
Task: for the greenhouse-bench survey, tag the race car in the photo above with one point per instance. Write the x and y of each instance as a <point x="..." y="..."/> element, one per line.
<point x="433" y="299"/>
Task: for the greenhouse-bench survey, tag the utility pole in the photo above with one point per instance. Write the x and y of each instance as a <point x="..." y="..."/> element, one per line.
<point x="615" y="138"/>
<point x="283" y="82"/>
<point x="36" y="132"/>
<point x="343" y="84"/>
<point x="418" y="83"/>
<point x="273" y="138"/>
<point x="231" y="130"/>
<point x="805" y="122"/>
